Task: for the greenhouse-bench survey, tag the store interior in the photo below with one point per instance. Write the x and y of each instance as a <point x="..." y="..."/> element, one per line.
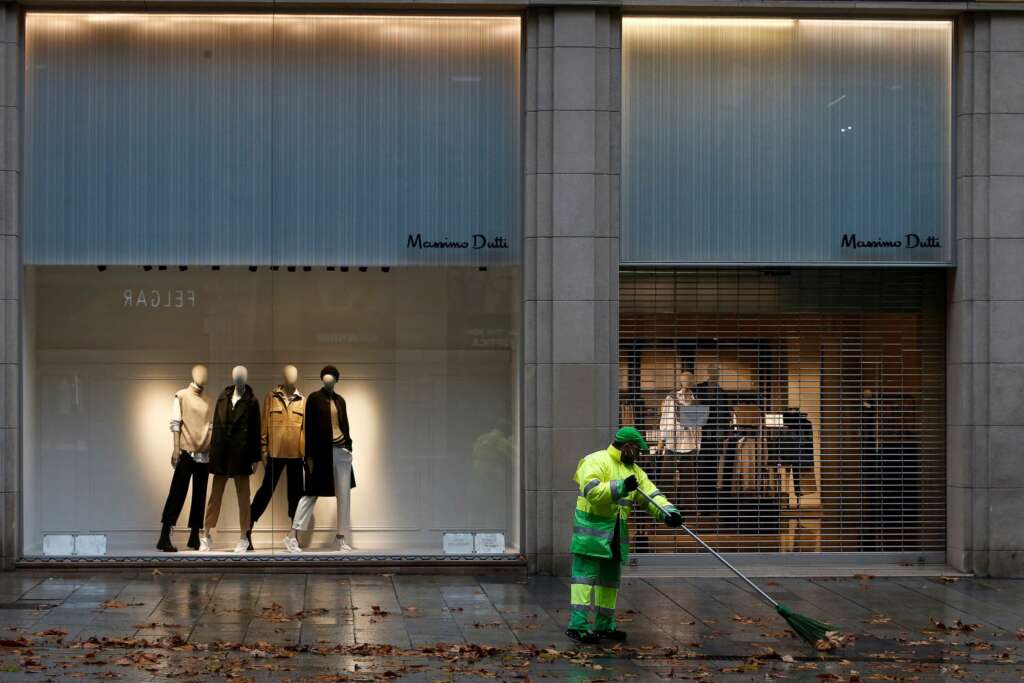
<point x="788" y="431"/>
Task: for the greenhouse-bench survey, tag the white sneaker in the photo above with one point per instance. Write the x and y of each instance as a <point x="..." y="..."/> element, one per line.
<point x="291" y="545"/>
<point x="343" y="546"/>
<point x="243" y="545"/>
<point x="204" y="543"/>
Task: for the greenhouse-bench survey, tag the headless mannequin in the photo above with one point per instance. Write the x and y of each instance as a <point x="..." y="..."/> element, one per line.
<point x="329" y="382"/>
<point x="193" y="469"/>
<point x="289" y="379"/>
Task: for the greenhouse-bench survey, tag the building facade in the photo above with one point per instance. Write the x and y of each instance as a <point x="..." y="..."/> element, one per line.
<point x="782" y="243"/>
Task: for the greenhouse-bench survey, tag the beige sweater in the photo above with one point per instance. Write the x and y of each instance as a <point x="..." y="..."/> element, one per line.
<point x="196" y="418"/>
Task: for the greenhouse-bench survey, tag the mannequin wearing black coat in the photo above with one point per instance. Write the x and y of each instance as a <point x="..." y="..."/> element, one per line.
<point x="319" y="446"/>
<point x="236" y="434"/>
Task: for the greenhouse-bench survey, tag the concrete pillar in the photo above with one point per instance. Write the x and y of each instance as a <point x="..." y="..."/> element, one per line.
<point x="986" y="337"/>
<point x="10" y="280"/>
<point x="571" y="262"/>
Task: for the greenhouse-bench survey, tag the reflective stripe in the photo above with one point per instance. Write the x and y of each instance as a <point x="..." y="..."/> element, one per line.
<point x="586" y="531"/>
<point x="582" y="608"/>
<point x="601" y="583"/>
<point x="590" y="486"/>
<point x="607" y="611"/>
<point x="655" y="493"/>
<point x="585" y="580"/>
<point x="616" y="486"/>
<point x="624" y="502"/>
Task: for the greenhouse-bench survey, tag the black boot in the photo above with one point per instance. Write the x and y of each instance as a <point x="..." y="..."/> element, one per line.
<point x="583" y="637"/>
<point x="164" y="544"/>
<point x="248" y="536"/>
<point x="193" y="540"/>
<point x="613" y="635"/>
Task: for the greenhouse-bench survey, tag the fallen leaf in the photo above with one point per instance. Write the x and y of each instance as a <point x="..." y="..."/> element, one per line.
<point x="956" y="627"/>
<point x="833" y="640"/>
<point x="20" y="642"/>
<point x="949" y="579"/>
<point x="50" y="632"/>
<point x="746" y="620"/>
<point x="115" y="604"/>
<point x="878" y="619"/>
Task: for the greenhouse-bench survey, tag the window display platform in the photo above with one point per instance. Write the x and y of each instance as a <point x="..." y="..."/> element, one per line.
<point x="269" y="558"/>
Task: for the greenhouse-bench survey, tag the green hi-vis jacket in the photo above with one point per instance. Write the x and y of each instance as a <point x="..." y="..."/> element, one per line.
<point x="603" y="503"/>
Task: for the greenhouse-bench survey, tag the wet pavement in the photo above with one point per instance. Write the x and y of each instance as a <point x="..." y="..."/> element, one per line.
<point x="149" y="625"/>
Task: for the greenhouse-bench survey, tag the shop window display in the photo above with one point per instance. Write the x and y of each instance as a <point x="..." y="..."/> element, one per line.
<point x="273" y="393"/>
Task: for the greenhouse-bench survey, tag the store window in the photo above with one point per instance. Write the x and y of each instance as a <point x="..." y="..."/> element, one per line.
<point x="315" y="220"/>
<point x="789" y="410"/>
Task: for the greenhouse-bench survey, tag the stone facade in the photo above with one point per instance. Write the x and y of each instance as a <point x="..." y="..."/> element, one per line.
<point x="985" y="484"/>
<point x="571" y="230"/>
<point x="10" y="281"/>
<point x="571" y="263"/>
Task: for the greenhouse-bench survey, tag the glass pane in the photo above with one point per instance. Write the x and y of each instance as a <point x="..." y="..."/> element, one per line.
<point x="786" y="140"/>
<point x="428" y="365"/>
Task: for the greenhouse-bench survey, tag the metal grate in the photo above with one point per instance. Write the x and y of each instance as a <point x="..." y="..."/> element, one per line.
<point x="825" y="428"/>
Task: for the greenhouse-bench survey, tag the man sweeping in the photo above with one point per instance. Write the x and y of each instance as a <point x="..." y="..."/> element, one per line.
<point x="607" y="481"/>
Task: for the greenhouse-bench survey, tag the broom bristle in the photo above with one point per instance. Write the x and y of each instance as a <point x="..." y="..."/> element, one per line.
<point x="810" y="630"/>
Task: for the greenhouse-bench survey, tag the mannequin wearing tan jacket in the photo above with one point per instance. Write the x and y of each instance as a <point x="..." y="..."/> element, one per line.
<point x="282" y="444"/>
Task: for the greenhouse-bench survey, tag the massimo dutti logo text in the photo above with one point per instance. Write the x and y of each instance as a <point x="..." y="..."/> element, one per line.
<point x="909" y="241"/>
<point x="477" y="241"/>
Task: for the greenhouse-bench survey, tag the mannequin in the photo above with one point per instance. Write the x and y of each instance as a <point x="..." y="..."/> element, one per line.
<point x="679" y="427"/>
<point x="328" y="460"/>
<point x="191" y="430"/>
<point x="281" y="444"/>
<point x="234" y="453"/>
<point x="713" y="436"/>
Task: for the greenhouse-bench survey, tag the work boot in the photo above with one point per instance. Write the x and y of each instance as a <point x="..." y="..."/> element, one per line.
<point x="193" y="540"/>
<point x="164" y="544"/>
<point x="614" y="635"/>
<point x="582" y="637"/>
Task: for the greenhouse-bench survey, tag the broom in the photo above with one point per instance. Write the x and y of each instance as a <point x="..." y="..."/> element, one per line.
<point x="812" y="631"/>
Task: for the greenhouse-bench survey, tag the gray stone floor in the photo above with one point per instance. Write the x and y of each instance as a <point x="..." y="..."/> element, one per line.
<point x="145" y="625"/>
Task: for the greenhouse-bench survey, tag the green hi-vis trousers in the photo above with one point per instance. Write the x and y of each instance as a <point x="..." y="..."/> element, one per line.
<point x="595" y="587"/>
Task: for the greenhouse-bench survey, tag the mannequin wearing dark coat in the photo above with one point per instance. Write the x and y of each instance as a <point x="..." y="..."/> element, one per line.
<point x="236" y="434"/>
<point x="319" y="446"/>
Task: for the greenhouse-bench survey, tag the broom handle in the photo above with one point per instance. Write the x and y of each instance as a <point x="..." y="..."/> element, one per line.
<point x="711" y="550"/>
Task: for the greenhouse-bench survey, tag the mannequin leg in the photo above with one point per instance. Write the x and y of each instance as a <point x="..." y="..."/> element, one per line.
<point x="242" y="493"/>
<point x="343" y="491"/>
<point x="178" y="490"/>
<point x="304" y="513"/>
<point x="200" y="480"/>
<point x="293" y="469"/>
<point x="271" y="474"/>
<point x="213" y="507"/>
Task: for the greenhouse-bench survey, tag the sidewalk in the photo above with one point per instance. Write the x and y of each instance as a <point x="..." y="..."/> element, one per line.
<point x="146" y="625"/>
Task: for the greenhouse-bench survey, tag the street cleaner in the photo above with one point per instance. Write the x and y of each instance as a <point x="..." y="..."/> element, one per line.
<point x="607" y="481"/>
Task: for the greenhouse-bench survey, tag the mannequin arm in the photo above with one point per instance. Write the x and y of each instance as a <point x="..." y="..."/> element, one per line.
<point x="343" y="423"/>
<point x="175" y="431"/>
<point x="265" y="428"/>
<point x="254" y="435"/>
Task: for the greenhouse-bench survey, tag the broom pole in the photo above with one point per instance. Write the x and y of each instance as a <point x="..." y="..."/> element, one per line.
<point x="717" y="555"/>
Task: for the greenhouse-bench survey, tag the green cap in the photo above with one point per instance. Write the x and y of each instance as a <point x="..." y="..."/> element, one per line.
<point x="631" y="435"/>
